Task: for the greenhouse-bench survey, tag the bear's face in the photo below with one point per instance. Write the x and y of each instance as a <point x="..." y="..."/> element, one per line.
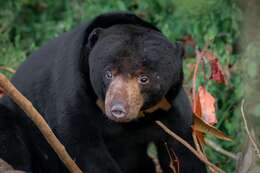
<point x="131" y="69"/>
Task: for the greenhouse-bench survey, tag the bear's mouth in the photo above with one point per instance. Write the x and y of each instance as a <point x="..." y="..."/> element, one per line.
<point x="123" y="99"/>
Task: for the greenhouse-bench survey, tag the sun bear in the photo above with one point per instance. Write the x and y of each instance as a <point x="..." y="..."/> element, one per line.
<point x="101" y="87"/>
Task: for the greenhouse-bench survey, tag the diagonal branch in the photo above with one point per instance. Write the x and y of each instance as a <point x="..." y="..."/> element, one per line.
<point x="186" y="144"/>
<point x="10" y="90"/>
<point x="247" y="130"/>
<point x="8" y="69"/>
<point x="217" y="148"/>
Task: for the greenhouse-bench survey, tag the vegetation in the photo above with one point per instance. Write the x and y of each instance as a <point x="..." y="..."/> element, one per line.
<point x="214" y="24"/>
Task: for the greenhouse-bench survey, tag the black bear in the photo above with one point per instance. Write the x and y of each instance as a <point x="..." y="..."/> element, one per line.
<point x="97" y="86"/>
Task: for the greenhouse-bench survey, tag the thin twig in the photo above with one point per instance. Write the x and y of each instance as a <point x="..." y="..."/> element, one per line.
<point x="198" y="60"/>
<point x="175" y="169"/>
<point x="200" y="149"/>
<point x="153" y="154"/>
<point x="204" y="71"/>
<point x="176" y="160"/>
<point x="157" y="165"/>
<point x="186" y="144"/>
<point x="10" y="70"/>
<point x="217" y="148"/>
<point x="10" y="90"/>
<point x="247" y="129"/>
<point x="194" y="79"/>
<point x="196" y="142"/>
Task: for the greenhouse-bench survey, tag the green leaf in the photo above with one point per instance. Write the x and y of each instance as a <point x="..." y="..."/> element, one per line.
<point x="152" y="150"/>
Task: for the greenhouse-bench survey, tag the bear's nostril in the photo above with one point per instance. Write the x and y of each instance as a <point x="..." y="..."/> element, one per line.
<point x="118" y="111"/>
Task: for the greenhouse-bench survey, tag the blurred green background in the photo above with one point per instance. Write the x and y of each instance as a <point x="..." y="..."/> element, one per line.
<point x="26" y="24"/>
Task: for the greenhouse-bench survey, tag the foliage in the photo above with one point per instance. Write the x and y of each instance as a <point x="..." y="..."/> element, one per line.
<point x="26" y="24"/>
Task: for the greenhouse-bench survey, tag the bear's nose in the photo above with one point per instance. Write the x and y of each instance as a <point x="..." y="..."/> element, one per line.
<point x="118" y="111"/>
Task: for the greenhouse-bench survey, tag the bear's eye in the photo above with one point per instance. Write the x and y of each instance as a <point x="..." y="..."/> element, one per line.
<point x="143" y="79"/>
<point x="108" y="75"/>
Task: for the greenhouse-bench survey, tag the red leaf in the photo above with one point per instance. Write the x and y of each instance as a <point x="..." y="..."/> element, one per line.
<point x="207" y="106"/>
<point x="217" y="73"/>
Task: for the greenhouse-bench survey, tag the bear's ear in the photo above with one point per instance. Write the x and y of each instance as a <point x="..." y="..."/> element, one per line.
<point x="93" y="37"/>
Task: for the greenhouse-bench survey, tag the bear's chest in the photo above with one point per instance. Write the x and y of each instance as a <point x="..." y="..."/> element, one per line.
<point x="141" y="131"/>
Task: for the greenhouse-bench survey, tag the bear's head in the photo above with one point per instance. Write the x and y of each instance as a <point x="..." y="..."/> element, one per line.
<point x="132" y="68"/>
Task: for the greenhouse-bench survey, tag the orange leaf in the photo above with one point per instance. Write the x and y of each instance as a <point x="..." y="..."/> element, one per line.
<point x="202" y="126"/>
<point x="197" y="107"/>
<point x="207" y="103"/>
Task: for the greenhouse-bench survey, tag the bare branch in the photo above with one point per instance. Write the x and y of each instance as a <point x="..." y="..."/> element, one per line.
<point x="10" y="90"/>
<point x="196" y="142"/>
<point x="153" y="154"/>
<point x="175" y="169"/>
<point x="247" y="129"/>
<point x="10" y="70"/>
<point x="200" y="149"/>
<point x="217" y="148"/>
<point x="186" y="144"/>
<point x="157" y="165"/>
<point x="194" y="80"/>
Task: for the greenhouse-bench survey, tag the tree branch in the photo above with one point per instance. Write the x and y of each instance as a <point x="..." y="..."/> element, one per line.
<point x="247" y="130"/>
<point x="217" y="148"/>
<point x="198" y="59"/>
<point x="10" y="90"/>
<point x="186" y="144"/>
<point x="10" y="70"/>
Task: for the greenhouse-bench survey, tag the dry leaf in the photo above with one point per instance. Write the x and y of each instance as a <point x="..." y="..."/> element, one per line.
<point x="207" y="106"/>
<point x="217" y="73"/>
<point x="197" y="107"/>
<point x="202" y="126"/>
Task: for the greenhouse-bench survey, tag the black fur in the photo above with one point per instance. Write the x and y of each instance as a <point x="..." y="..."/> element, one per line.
<point x="57" y="80"/>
